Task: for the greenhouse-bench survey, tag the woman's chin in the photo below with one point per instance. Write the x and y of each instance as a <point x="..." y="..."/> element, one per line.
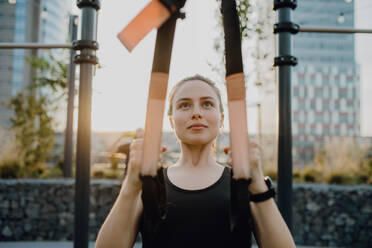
<point x="197" y="141"/>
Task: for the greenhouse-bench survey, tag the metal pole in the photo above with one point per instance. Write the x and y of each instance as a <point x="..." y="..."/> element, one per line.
<point x="334" y="30"/>
<point x="33" y="45"/>
<point x="87" y="59"/>
<point x="35" y="37"/>
<point x="285" y="61"/>
<point x="67" y="161"/>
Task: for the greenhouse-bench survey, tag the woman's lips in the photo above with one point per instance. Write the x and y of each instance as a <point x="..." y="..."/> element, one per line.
<point x="197" y="127"/>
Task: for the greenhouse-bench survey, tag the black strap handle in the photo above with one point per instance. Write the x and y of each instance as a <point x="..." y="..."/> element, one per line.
<point x="231" y="26"/>
<point x="153" y="188"/>
<point x="241" y="218"/>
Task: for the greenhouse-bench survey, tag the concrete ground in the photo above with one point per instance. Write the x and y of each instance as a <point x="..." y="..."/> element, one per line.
<point x="61" y="244"/>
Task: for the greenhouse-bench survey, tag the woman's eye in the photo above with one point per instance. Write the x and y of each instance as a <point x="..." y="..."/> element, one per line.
<point x="207" y="104"/>
<point x="184" y="105"/>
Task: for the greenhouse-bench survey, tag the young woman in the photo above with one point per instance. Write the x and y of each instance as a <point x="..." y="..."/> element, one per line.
<point x="197" y="186"/>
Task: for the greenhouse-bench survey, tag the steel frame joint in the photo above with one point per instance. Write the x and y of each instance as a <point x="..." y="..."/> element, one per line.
<point x="278" y="4"/>
<point x="89" y="3"/>
<point x="285" y="60"/>
<point x="85" y="44"/>
<point x="290" y="27"/>
<point x="86" y="58"/>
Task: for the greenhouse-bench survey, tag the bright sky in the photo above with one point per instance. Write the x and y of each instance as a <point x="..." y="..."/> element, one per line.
<point x="121" y="86"/>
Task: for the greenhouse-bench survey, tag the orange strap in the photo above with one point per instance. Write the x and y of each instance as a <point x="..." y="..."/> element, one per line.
<point x="152" y="16"/>
<point x="154" y="122"/>
<point x="238" y="123"/>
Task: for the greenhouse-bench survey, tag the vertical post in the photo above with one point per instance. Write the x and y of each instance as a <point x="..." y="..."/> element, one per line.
<point x="87" y="60"/>
<point x="285" y="60"/>
<point x="34" y="36"/>
<point x="67" y="161"/>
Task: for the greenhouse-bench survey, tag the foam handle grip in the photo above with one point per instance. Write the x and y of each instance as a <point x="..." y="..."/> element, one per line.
<point x="154" y="123"/>
<point x="152" y="16"/>
<point x="238" y="124"/>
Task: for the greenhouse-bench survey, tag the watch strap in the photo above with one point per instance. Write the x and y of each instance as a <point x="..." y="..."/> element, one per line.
<point x="265" y="195"/>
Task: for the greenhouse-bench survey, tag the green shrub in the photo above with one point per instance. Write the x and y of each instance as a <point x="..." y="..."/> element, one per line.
<point x="10" y="169"/>
<point x="362" y="178"/>
<point x="340" y="177"/>
<point x="311" y="174"/>
<point x="369" y="180"/>
<point x="34" y="171"/>
<point x="296" y="175"/>
<point x="111" y="174"/>
<point x="107" y="173"/>
<point x="54" y="172"/>
<point x="98" y="174"/>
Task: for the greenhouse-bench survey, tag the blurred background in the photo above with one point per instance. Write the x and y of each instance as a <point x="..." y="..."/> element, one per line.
<point x="331" y="93"/>
<point x="331" y="87"/>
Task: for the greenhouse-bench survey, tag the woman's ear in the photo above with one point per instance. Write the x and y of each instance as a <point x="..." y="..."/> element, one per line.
<point x="222" y="119"/>
<point x="171" y="121"/>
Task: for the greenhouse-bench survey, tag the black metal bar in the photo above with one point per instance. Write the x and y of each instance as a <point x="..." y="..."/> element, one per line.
<point x="285" y="128"/>
<point x="34" y="45"/>
<point x="67" y="161"/>
<point x="334" y="30"/>
<point x="82" y="189"/>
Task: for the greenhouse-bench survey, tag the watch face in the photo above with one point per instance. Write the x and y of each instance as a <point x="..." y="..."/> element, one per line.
<point x="269" y="182"/>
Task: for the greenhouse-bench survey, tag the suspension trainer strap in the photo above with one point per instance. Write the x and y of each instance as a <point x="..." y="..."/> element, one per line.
<point x="153" y="187"/>
<point x="241" y="218"/>
<point x="161" y="14"/>
<point x="152" y="16"/>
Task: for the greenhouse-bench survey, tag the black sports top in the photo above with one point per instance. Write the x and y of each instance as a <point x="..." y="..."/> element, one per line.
<point x="196" y="218"/>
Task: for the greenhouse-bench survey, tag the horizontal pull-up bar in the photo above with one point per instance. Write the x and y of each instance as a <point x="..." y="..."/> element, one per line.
<point x="334" y="30"/>
<point x="4" y="45"/>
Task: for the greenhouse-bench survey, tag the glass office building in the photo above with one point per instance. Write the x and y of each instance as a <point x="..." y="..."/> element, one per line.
<point x="44" y="21"/>
<point x="325" y="85"/>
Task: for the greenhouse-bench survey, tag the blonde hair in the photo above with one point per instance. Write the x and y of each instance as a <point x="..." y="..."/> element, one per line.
<point x="192" y="78"/>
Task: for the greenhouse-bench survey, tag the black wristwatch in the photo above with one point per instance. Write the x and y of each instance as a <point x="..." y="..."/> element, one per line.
<point x="265" y="195"/>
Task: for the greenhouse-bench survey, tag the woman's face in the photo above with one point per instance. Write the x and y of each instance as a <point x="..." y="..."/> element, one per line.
<point x="196" y="116"/>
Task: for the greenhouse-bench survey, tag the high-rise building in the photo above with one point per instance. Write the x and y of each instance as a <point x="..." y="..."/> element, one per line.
<point x="44" y="21"/>
<point x="325" y="85"/>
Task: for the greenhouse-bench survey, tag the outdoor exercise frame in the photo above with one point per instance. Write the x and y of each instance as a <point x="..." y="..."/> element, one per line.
<point x="285" y="28"/>
<point x="87" y="60"/>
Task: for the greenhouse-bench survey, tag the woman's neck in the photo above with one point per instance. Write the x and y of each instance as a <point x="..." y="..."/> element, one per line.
<point x="196" y="156"/>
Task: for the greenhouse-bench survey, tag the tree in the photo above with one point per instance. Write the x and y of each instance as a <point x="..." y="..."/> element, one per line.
<point x="33" y="110"/>
<point x="258" y="49"/>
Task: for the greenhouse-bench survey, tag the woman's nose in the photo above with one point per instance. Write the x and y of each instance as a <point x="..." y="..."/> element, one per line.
<point x="196" y="113"/>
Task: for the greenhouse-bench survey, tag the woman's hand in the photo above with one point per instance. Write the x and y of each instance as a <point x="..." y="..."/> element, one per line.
<point x="258" y="184"/>
<point x="135" y="163"/>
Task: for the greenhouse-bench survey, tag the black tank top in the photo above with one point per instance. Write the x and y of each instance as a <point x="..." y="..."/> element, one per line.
<point x="196" y="218"/>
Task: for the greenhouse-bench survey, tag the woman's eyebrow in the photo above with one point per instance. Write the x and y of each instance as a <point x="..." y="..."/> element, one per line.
<point x="207" y="97"/>
<point x="183" y="99"/>
<point x="202" y="98"/>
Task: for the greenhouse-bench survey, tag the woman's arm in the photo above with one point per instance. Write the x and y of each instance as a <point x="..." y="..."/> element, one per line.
<point x="270" y="230"/>
<point x="121" y="225"/>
